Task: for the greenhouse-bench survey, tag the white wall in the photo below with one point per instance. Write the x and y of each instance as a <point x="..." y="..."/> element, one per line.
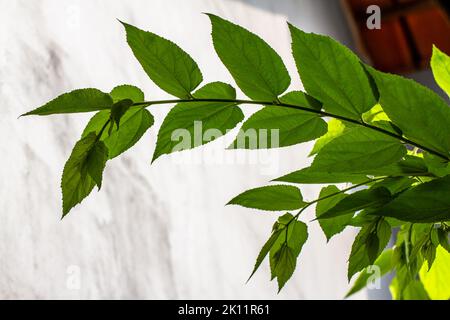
<point x="158" y="231"/>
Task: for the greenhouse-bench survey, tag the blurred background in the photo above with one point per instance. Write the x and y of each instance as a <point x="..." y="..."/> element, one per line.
<point x="162" y="231"/>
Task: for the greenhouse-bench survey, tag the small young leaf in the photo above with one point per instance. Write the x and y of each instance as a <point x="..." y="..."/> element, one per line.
<point x="334" y="226"/>
<point x="429" y="254"/>
<point x="369" y="198"/>
<point x="332" y="73"/>
<point x="357" y="150"/>
<point x="427" y="202"/>
<point x="378" y="240"/>
<point x="169" y="67"/>
<point x="190" y="125"/>
<point x="275" y="126"/>
<point x="83" y="171"/>
<point x="403" y="100"/>
<point x="271" y="198"/>
<point x="78" y="101"/>
<point x="125" y="91"/>
<point x="257" y="69"/>
<point x="284" y="253"/>
<point x="119" y="109"/>
<point x="134" y="123"/>
<point x="440" y="64"/>
<point x="359" y="256"/>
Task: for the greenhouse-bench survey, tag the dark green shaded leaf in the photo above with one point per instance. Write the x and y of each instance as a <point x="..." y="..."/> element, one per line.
<point x="169" y="67"/>
<point x="395" y="184"/>
<point x="78" y="101"/>
<point x="190" y="125"/>
<point x="437" y="166"/>
<point x="83" y="171"/>
<point x="332" y="73"/>
<point x="409" y="166"/>
<point x="359" y="256"/>
<point x="119" y="109"/>
<point x="271" y="198"/>
<point x="369" y="198"/>
<point x="257" y="69"/>
<point x="427" y="202"/>
<point x="443" y="239"/>
<point x="385" y="265"/>
<point x="336" y="225"/>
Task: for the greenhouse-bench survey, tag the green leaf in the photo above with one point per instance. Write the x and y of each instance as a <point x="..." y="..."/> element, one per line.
<point x="314" y="175"/>
<point x="299" y="98"/>
<point x="383" y="236"/>
<point x="134" y="123"/>
<point x="334" y="226"/>
<point x="78" y="101"/>
<point x="119" y="109"/>
<point x="409" y="166"/>
<point x="420" y="113"/>
<point x="357" y="150"/>
<point x="435" y="280"/>
<point x="169" y="67"/>
<point x="359" y="259"/>
<point x="333" y="74"/>
<point x="271" y="198"/>
<point x="369" y="198"/>
<point x="437" y="166"/>
<point x="429" y="253"/>
<point x="359" y="256"/>
<point x="257" y="69"/>
<point x="276" y="126"/>
<point x="427" y="202"/>
<point x="443" y="239"/>
<point x="415" y="291"/>
<point x="335" y="129"/>
<point x="265" y="250"/>
<point x="284" y="253"/>
<point x="190" y="125"/>
<point x="440" y="64"/>
<point x="83" y="171"/>
<point x="385" y="265"/>
<point x="126" y="91"/>
<point x="395" y="184"/>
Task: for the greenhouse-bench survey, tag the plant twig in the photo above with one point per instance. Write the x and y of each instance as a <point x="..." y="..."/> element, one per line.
<point x="292" y="106"/>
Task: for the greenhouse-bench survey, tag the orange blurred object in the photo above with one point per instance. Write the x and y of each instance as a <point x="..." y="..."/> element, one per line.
<point x="409" y="28"/>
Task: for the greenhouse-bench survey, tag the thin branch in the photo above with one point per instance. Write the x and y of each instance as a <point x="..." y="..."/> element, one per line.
<point x="287" y="105"/>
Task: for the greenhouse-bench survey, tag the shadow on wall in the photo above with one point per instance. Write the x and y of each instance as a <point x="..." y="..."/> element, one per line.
<point x="325" y="17"/>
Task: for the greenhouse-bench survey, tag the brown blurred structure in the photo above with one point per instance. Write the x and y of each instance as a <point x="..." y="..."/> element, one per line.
<point x="409" y="28"/>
